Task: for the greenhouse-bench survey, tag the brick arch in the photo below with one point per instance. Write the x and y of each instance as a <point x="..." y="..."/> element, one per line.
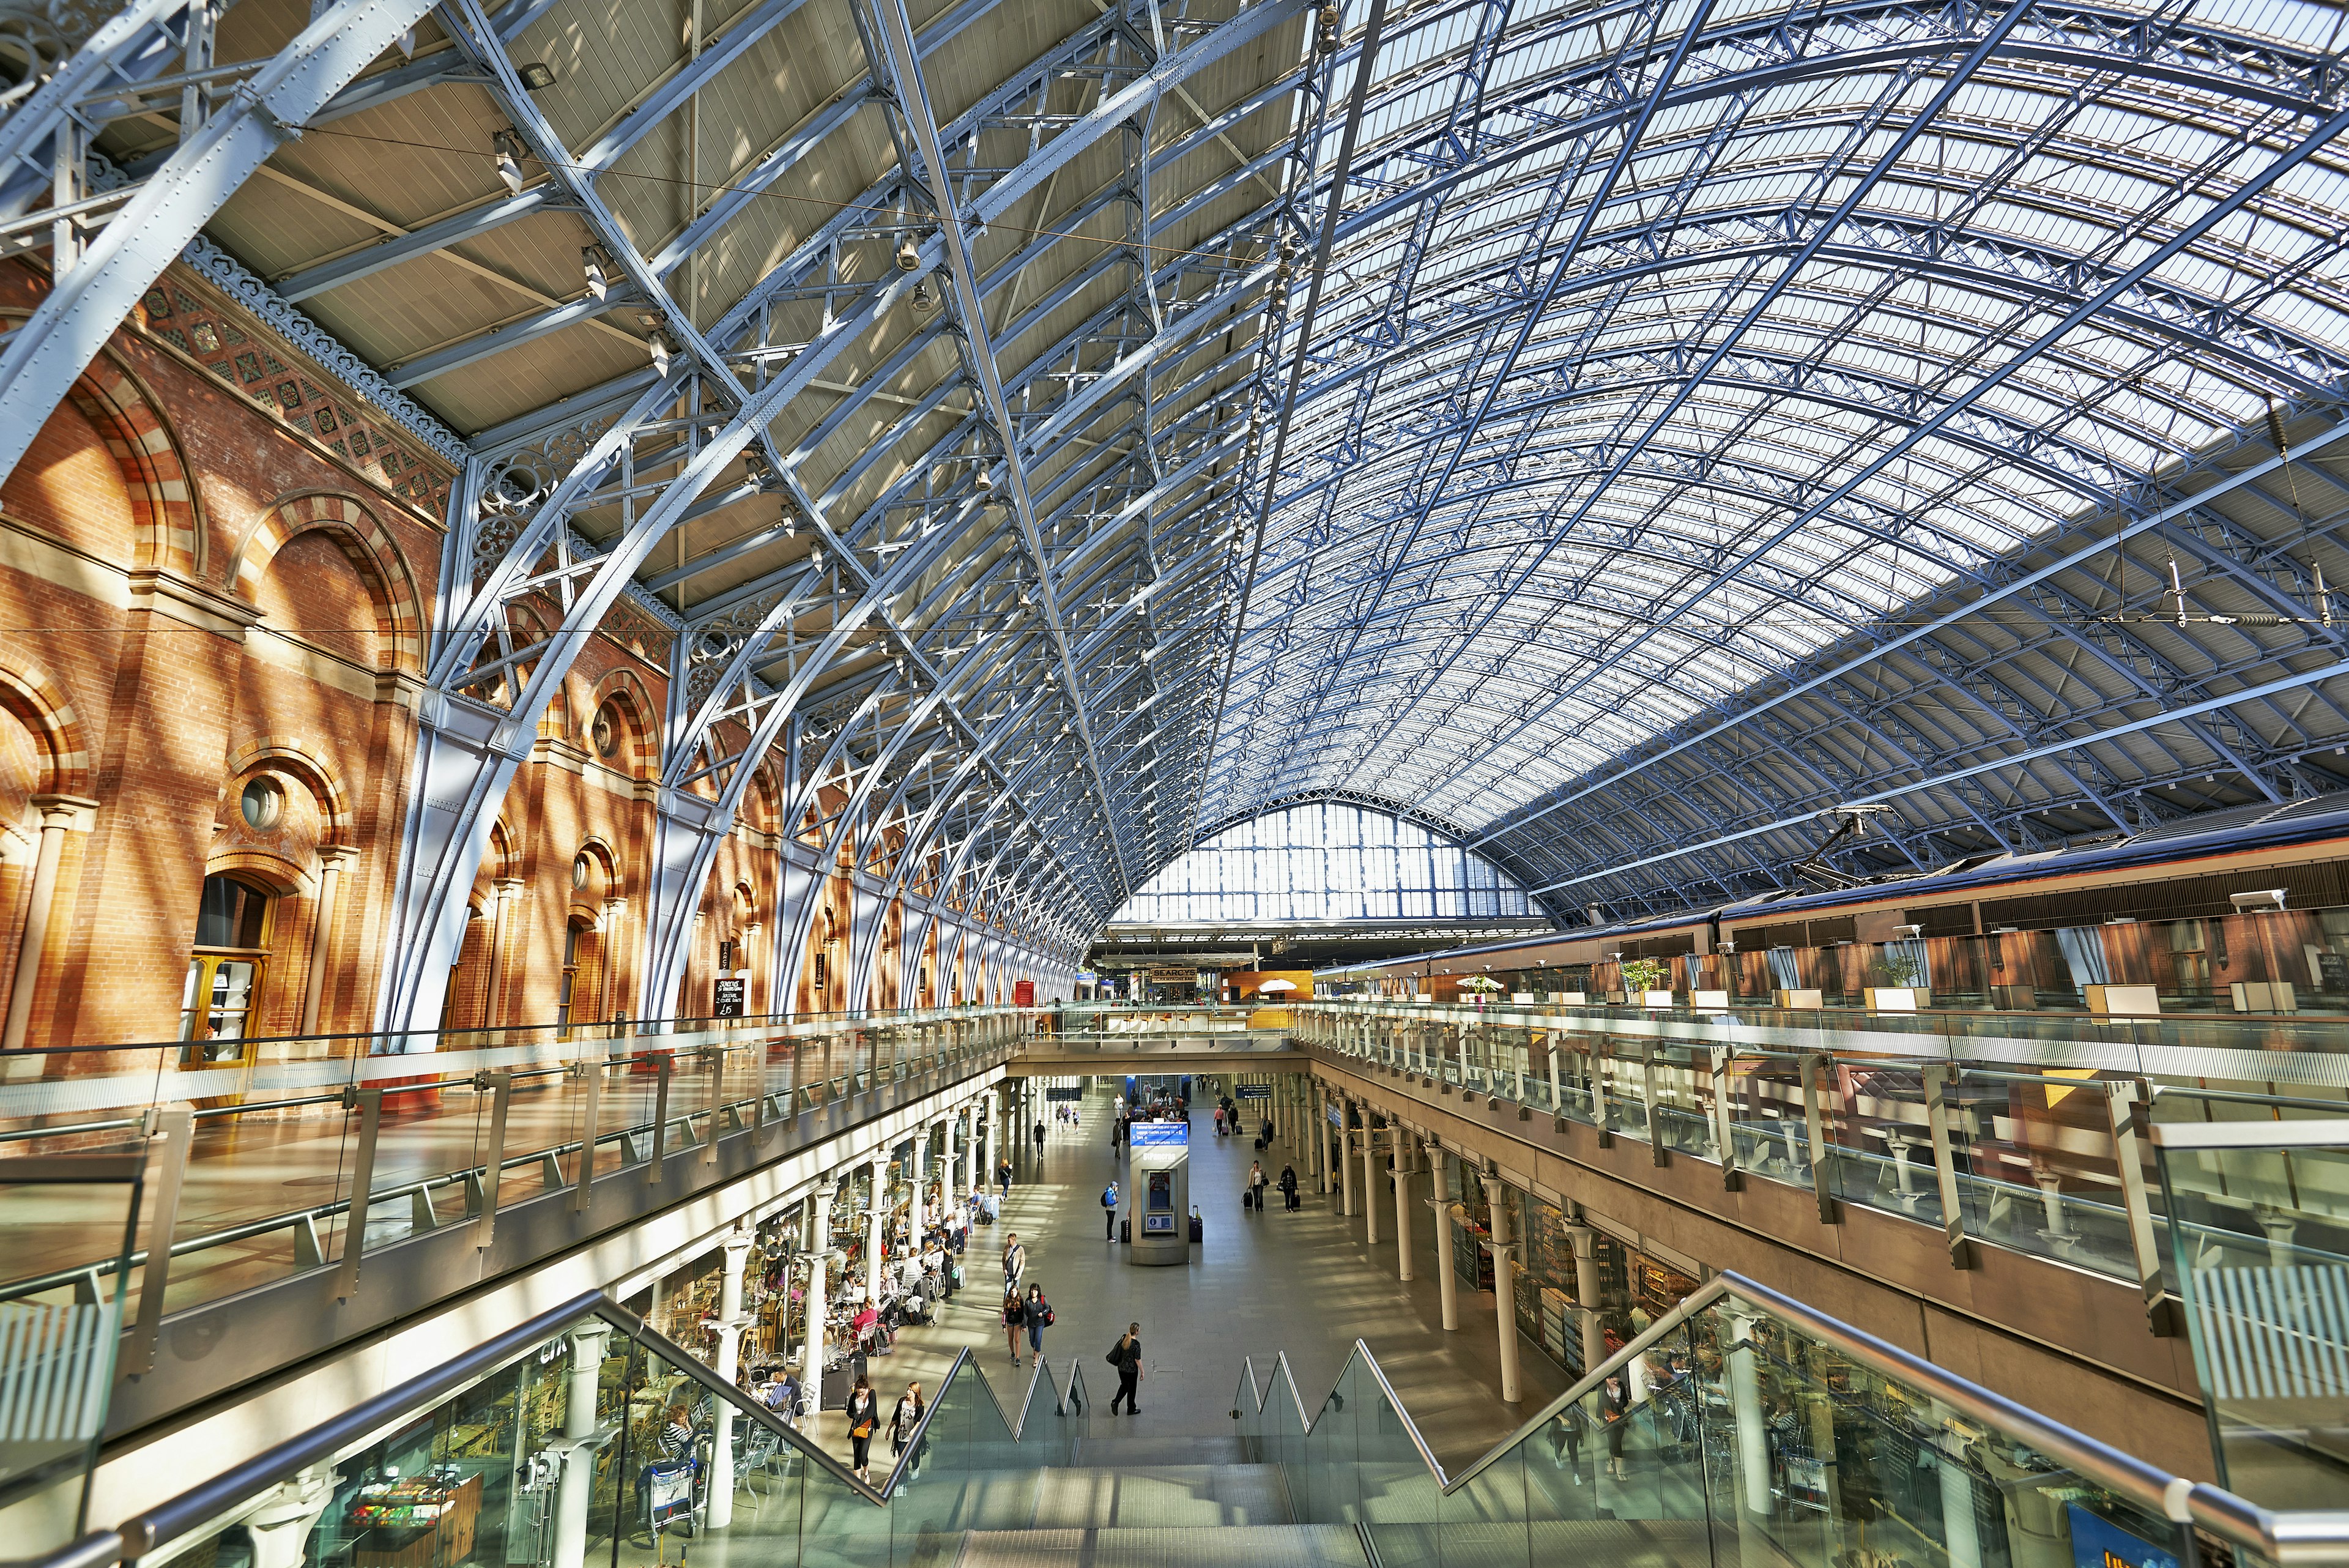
<point x="363" y="539"/>
<point x="292" y="753"/>
<point x="130" y="421"/>
<point x="598" y="848"/>
<point x="30" y="693"/>
<point x="640" y="758"/>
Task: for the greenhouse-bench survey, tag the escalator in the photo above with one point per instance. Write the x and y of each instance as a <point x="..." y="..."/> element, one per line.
<point x="1743" y="1427"/>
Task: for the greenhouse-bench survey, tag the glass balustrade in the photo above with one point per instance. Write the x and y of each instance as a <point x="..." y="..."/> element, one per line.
<point x="304" y="1152"/>
<point x="596" y="1443"/>
<point x="1746" y="1428"/>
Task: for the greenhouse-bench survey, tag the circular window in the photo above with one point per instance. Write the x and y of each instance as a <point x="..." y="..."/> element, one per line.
<point x="264" y="804"/>
<point x="579" y="872"/>
<point x="605" y="732"/>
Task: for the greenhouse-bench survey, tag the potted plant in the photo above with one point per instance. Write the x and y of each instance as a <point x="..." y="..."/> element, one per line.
<point x="1481" y="986"/>
<point x="1641" y="978"/>
<point x="1898" y="975"/>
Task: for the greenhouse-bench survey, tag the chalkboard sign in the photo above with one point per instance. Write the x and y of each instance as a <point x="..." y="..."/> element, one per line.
<point x="726" y="997"/>
<point x="2334" y="968"/>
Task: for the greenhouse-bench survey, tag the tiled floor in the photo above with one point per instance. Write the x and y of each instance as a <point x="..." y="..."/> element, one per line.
<point x="1258" y="1285"/>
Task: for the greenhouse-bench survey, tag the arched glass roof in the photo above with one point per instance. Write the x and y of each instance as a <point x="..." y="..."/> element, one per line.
<point x="1326" y="861"/>
<point x="1705" y="413"/>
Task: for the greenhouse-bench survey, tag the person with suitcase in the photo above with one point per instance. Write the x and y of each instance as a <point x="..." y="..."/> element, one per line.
<point x="1258" y="1181"/>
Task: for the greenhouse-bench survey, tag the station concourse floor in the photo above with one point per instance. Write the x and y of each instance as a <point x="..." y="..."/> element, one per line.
<point x="1304" y="1284"/>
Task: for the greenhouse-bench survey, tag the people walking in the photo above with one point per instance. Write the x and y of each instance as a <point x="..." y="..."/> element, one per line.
<point x="864" y="1414"/>
<point x="1015" y="1320"/>
<point x="1257" y="1182"/>
<point x="1126" y="1356"/>
<point x="1015" y="1262"/>
<point x="904" y="1419"/>
<point x="1039" y="1139"/>
<point x="1003" y="1175"/>
<point x="1289" y="1187"/>
<point x="1039" y="1317"/>
<point x="1109" y="1212"/>
<point x="1615" y="1410"/>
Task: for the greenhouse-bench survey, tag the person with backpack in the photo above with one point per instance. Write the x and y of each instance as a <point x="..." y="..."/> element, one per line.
<point x="1289" y="1187"/>
<point x="1109" y="1212"/>
<point x="1039" y="1317"/>
<point x="1126" y="1356"/>
<point x="1015" y="1262"/>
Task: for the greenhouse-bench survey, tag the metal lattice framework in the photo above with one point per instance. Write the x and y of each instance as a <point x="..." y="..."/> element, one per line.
<point x="1706" y="415"/>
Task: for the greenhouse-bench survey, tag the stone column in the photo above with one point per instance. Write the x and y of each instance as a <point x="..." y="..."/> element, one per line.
<point x="1585" y="1242"/>
<point x="1321" y="1150"/>
<point x="730" y="1323"/>
<point x="993" y="1149"/>
<point x="1505" y="1282"/>
<point x="819" y="1278"/>
<point x="280" y="1528"/>
<point x="57" y="813"/>
<point x="1370" y="1176"/>
<point x="876" y="1198"/>
<point x="1745" y="1411"/>
<point x="331" y="860"/>
<point x="1345" y="1148"/>
<point x="1447" y="1283"/>
<point x="1403" y="1176"/>
<point x="575" y="1490"/>
<point x="920" y="1163"/>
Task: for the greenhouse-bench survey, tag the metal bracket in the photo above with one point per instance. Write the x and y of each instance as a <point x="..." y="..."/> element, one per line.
<point x="1940" y="1079"/>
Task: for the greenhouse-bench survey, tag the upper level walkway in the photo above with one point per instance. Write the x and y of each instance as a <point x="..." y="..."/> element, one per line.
<point x="300" y="1194"/>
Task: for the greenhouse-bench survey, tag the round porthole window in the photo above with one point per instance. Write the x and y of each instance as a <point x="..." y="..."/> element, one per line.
<point x="605" y="732"/>
<point x="264" y="804"/>
<point x="579" y="872"/>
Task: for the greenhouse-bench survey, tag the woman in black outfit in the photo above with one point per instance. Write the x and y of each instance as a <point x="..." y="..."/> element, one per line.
<point x="864" y="1414"/>
<point x="904" y="1419"/>
<point x="1615" y="1409"/>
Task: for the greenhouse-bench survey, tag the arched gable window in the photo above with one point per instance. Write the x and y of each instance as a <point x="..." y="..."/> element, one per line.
<point x="1326" y="861"/>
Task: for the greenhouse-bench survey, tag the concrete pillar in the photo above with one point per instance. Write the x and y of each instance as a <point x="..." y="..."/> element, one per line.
<point x="1585" y="1242"/>
<point x="280" y="1528"/>
<point x="1403" y="1176"/>
<point x="993" y="1150"/>
<point x="57" y="814"/>
<point x="1753" y="1434"/>
<point x="575" y="1490"/>
<point x="1960" y="1537"/>
<point x="2051" y="1200"/>
<point x="1345" y="1148"/>
<point x="920" y="1162"/>
<point x="876" y="1199"/>
<point x="1321" y="1138"/>
<point x="819" y="1278"/>
<point x="1504" y="1283"/>
<point x="1370" y="1178"/>
<point x="331" y="860"/>
<point x="1447" y="1283"/>
<point x="730" y="1323"/>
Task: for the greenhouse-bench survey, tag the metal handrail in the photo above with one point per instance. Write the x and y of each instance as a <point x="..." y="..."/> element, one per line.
<point x="2297" y="1539"/>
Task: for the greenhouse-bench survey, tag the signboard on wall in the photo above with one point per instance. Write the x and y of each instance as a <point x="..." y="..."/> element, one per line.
<point x="2098" y="1542"/>
<point x="1023" y="993"/>
<point x="727" y="996"/>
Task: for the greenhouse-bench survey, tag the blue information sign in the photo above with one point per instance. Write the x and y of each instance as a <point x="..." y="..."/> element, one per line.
<point x="2098" y="1542"/>
<point x="1160" y="1134"/>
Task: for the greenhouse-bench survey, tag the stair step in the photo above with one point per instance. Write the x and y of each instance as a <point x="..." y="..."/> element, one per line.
<point x="1161" y="1496"/>
<point x="1259" y="1546"/>
<point x="1156" y="1451"/>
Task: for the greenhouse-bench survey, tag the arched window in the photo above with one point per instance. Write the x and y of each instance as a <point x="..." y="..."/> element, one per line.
<point x="226" y="972"/>
<point x="581" y="994"/>
<point x="1326" y="861"/>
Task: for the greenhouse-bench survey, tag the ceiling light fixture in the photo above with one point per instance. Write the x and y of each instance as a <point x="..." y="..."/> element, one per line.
<point x="593" y="260"/>
<point x="537" y="76"/>
<point x="509" y="156"/>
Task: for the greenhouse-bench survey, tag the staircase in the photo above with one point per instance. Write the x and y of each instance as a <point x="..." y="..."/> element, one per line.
<point x="1145" y="1503"/>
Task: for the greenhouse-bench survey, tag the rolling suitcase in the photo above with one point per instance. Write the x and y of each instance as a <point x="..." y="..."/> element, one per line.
<point x="1247" y="1200"/>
